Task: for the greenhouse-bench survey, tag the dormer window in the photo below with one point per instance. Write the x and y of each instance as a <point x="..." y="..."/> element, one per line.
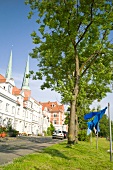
<point x="53" y="105"/>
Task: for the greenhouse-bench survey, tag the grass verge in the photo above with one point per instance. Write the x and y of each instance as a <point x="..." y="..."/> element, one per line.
<point x="81" y="156"/>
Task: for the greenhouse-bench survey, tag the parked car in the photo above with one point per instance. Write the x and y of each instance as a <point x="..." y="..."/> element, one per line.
<point x="58" y="134"/>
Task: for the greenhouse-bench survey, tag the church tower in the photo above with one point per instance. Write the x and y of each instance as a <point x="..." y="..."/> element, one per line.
<point x="25" y="84"/>
<point x="8" y="74"/>
<point x="9" y="68"/>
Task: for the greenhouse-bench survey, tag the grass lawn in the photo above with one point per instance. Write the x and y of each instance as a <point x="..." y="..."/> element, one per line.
<point x="81" y="156"/>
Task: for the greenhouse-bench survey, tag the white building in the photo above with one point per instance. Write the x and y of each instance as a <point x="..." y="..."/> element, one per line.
<point x="18" y="108"/>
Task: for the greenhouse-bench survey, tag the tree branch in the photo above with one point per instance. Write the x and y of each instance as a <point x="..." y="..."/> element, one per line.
<point x="87" y="61"/>
<point x="91" y="63"/>
<point x="86" y="29"/>
<point x="93" y="57"/>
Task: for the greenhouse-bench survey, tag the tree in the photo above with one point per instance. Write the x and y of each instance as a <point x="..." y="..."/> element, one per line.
<point x="50" y="129"/>
<point x="73" y="50"/>
<point x="104" y="126"/>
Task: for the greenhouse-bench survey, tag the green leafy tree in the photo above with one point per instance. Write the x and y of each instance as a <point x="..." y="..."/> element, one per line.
<point x="104" y="127"/>
<point x="50" y="129"/>
<point x="74" y="51"/>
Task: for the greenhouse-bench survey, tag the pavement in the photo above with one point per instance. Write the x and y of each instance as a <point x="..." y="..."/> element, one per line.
<point x="14" y="147"/>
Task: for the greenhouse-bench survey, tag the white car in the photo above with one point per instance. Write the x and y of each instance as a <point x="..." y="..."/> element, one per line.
<point x="58" y="134"/>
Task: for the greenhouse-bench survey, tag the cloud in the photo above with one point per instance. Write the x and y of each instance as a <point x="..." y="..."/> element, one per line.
<point x="103" y="103"/>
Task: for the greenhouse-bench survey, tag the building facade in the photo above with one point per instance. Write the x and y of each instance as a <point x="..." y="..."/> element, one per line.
<point x="57" y="116"/>
<point x="18" y="108"/>
<point x="24" y="113"/>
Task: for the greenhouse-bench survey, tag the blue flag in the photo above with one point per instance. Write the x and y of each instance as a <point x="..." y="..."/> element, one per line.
<point x="94" y="123"/>
<point x="92" y="114"/>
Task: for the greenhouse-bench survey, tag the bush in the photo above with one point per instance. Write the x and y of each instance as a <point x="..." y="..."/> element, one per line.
<point x="3" y="129"/>
<point x="50" y="130"/>
<point x="12" y="132"/>
<point x="82" y="136"/>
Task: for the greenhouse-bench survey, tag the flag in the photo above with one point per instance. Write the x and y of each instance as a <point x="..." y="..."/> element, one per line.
<point x="96" y="129"/>
<point x="92" y="114"/>
<point x="88" y="131"/>
<point x="94" y="123"/>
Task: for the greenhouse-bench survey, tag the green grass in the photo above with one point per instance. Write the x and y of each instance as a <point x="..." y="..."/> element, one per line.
<point x="81" y="156"/>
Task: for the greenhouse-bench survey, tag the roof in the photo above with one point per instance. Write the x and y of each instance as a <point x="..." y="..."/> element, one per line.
<point x="2" y="79"/>
<point x="16" y="91"/>
<point x="27" y="93"/>
<point x="52" y="106"/>
<point x="26" y="98"/>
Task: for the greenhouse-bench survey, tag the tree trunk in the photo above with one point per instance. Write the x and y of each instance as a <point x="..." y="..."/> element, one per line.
<point x="76" y="128"/>
<point x="73" y="133"/>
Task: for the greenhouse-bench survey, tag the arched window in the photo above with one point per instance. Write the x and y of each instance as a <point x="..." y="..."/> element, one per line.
<point x="9" y="89"/>
<point x="13" y="110"/>
<point x="7" y="107"/>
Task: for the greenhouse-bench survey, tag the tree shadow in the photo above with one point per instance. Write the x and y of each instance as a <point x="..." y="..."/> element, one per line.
<point x="55" y="152"/>
<point x="36" y="168"/>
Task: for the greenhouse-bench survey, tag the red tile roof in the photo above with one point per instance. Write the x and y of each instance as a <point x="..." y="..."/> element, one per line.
<point x="26" y="98"/>
<point x="52" y="106"/>
<point x="2" y="79"/>
<point x="16" y="91"/>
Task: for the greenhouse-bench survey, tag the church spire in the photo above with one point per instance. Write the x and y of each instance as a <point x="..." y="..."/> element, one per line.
<point x="9" y="68"/>
<point x="25" y="83"/>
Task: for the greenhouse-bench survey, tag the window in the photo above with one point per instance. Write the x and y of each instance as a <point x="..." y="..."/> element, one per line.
<point x="7" y="107"/>
<point x="55" y="115"/>
<point x="9" y="122"/>
<point x="23" y="113"/>
<point x="13" y="110"/>
<point x="26" y="114"/>
<point x="30" y="115"/>
<point x="18" y="111"/>
<point x="1" y="102"/>
<point x="9" y="89"/>
<point x="55" y="122"/>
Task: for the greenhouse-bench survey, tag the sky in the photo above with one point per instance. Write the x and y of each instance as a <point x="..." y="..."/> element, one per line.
<point x="15" y="30"/>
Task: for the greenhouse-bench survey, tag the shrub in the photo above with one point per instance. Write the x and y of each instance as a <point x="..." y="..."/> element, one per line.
<point x="50" y="129"/>
<point x="82" y="136"/>
<point x="12" y="132"/>
<point x="2" y="129"/>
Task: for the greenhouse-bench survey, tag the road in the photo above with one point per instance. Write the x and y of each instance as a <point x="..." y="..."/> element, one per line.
<point x="11" y="148"/>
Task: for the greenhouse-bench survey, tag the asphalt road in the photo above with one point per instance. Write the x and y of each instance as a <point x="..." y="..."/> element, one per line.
<point x="11" y="148"/>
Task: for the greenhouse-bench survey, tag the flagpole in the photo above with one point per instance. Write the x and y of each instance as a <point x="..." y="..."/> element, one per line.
<point x="110" y="132"/>
<point x="97" y="140"/>
<point x="91" y="138"/>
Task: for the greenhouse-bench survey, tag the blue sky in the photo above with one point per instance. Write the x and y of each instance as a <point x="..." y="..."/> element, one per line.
<point x="15" y="29"/>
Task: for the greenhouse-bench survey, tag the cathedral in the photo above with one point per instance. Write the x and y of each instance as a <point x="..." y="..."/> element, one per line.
<point x="21" y="111"/>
